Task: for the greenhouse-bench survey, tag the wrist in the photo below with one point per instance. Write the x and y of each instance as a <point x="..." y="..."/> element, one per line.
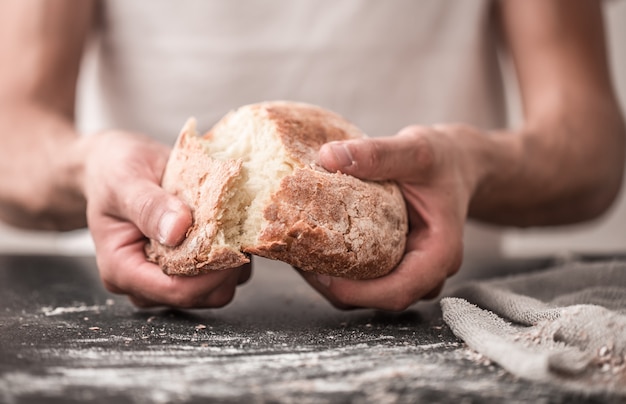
<point x="474" y="156"/>
<point x="531" y="176"/>
<point x="39" y="178"/>
<point x="71" y="167"/>
<point x="500" y="159"/>
<point x="61" y="186"/>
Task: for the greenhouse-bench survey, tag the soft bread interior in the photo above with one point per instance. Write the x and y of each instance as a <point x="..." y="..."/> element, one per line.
<point x="246" y="137"/>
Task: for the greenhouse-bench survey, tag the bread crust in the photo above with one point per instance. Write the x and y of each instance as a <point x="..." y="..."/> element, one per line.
<point x="334" y="224"/>
<point x="317" y="221"/>
<point x="200" y="182"/>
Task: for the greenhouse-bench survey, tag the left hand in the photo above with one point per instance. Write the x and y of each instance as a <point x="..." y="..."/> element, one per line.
<point x="433" y="168"/>
<point x="126" y="206"/>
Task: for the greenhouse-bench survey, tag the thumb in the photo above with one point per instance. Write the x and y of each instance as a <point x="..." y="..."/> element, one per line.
<point x="407" y="156"/>
<point x="158" y="214"/>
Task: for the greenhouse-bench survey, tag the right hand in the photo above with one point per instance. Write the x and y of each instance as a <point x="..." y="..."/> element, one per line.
<point x="125" y="207"/>
<point x="437" y="174"/>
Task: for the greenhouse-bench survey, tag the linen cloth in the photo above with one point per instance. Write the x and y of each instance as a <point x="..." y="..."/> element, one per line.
<point x="564" y="324"/>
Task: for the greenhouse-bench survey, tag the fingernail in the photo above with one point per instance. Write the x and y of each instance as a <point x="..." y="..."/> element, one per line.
<point x="166" y="226"/>
<point x="342" y="154"/>
<point x="323" y="279"/>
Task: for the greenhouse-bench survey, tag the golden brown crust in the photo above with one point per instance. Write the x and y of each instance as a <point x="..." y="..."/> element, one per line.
<point x="304" y="128"/>
<point x="200" y="182"/>
<point x="318" y="221"/>
<point x="334" y="224"/>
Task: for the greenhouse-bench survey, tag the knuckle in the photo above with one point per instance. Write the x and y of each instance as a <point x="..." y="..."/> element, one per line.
<point x="423" y="153"/>
<point x="342" y="300"/>
<point x="180" y="295"/>
<point x="373" y="156"/>
<point x="434" y="292"/>
<point x="111" y="287"/>
<point x="184" y="299"/>
<point x="399" y="303"/>
<point x="221" y="298"/>
<point x="107" y="276"/>
<point x="456" y="260"/>
<point x="244" y="275"/>
<point x="141" y="207"/>
<point x="140" y="302"/>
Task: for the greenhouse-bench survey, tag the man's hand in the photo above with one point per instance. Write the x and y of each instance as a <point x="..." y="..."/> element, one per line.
<point x="437" y="181"/>
<point x="125" y="205"/>
<point x="563" y="165"/>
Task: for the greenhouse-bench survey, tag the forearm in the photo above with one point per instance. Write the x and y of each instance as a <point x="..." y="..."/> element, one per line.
<point x="557" y="169"/>
<point x="40" y="161"/>
<point x="41" y="166"/>
<point x="566" y="163"/>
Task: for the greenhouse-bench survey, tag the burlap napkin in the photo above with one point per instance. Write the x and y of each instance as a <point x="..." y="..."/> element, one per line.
<point x="567" y="323"/>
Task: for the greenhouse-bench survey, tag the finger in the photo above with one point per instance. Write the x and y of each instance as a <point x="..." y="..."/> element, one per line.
<point x="208" y="290"/>
<point x="124" y="270"/>
<point x="150" y="284"/>
<point x="433" y="294"/>
<point x="158" y="214"/>
<point x="312" y="279"/>
<point x="422" y="270"/>
<point x="245" y="274"/>
<point x="409" y="282"/>
<point x="407" y="156"/>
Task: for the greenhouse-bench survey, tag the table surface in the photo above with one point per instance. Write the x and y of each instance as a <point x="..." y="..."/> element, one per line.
<point x="63" y="338"/>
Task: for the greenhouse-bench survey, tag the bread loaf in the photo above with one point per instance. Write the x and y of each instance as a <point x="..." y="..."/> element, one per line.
<point x="254" y="187"/>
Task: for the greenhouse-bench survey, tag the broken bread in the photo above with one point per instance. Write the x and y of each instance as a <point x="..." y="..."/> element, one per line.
<point x="254" y="187"/>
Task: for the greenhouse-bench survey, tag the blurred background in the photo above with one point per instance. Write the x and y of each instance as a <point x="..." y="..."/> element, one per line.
<point x="606" y="235"/>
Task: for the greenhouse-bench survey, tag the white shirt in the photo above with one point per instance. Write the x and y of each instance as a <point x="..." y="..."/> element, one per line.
<point x="381" y="64"/>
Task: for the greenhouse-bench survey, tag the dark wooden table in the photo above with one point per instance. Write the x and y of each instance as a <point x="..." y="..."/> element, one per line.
<point x="64" y="339"/>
